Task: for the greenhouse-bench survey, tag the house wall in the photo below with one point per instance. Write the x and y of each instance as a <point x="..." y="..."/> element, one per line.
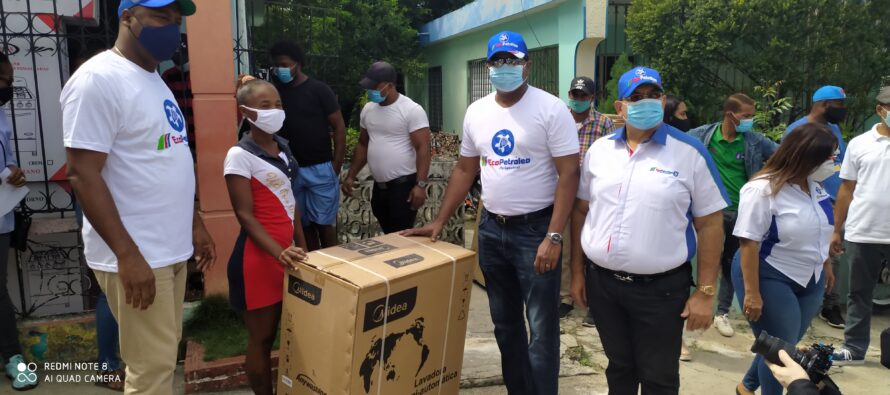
<point x="557" y="23"/>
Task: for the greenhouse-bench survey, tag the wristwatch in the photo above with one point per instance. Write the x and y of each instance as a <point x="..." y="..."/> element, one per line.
<point x="423" y="184"/>
<point x="554" y="237"/>
<point x="708" y="290"/>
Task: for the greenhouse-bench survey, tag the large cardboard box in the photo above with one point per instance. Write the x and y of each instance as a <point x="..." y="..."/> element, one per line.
<point x="385" y="315"/>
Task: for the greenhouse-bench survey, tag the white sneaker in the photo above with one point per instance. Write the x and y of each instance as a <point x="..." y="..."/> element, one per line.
<point x="723" y="325"/>
<point x="843" y="357"/>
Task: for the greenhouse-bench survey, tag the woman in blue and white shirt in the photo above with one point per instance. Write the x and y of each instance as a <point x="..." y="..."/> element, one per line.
<point x="784" y="226"/>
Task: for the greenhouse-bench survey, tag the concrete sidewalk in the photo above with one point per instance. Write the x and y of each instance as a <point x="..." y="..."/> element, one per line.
<point x="717" y="367"/>
<point x="718" y="362"/>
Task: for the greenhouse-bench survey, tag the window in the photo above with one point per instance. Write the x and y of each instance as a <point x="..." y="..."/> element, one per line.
<point x="545" y="69"/>
<point x="434" y="102"/>
<point x="544" y="73"/>
<point x="478" y="83"/>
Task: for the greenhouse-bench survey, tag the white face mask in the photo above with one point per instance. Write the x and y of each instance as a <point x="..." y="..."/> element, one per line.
<point x="825" y="170"/>
<point x="269" y="121"/>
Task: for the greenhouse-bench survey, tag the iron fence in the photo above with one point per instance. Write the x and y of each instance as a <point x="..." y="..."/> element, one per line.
<point x="46" y="41"/>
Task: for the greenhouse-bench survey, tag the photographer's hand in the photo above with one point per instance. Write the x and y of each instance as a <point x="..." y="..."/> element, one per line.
<point x="789" y="373"/>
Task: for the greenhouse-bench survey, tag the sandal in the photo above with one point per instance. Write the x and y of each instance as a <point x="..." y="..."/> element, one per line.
<point x="685" y="355"/>
<point x="112" y="379"/>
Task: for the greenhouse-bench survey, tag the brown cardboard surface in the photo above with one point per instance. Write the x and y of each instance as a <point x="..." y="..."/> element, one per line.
<point x="385" y="315"/>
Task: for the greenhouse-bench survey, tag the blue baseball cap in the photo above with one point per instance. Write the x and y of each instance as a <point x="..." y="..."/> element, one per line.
<point x="507" y="41"/>
<point x="186" y="7"/>
<point x="637" y="76"/>
<point x="829" y="92"/>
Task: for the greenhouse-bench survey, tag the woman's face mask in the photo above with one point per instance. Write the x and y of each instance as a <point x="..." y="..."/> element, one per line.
<point x="269" y="121"/>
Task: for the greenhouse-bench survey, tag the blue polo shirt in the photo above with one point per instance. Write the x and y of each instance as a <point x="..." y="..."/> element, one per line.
<point x="833" y="183"/>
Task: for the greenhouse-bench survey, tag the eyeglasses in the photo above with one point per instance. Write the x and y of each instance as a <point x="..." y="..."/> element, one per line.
<point x="508" y="61"/>
<point x="639" y="96"/>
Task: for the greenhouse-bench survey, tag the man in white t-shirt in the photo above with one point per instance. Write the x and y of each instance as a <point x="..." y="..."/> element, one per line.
<point x="527" y="146"/>
<point x="863" y="210"/>
<point x="131" y="169"/>
<point x="395" y="143"/>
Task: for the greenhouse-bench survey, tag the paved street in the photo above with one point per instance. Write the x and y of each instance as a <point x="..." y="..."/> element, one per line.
<point x="718" y="362"/>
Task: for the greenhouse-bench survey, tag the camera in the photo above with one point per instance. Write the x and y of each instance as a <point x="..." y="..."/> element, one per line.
<point x="816" y="361"/>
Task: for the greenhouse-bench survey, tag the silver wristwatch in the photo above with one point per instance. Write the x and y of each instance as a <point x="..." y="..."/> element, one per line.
<point x="554" y="237"/>
<point x="423" y="184"/>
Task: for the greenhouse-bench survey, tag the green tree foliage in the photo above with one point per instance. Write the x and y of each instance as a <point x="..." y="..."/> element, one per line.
<point x="607" y="104"/>
<point x="341" y="39"/>
<point x="771" y="110"/>
<point x="707" y="49"/>
<point x="423" y="11"/>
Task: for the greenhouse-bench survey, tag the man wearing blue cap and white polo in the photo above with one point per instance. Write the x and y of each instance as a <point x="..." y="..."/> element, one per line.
<point x="829" y="108"/>
<point x="131" y="169"/>
<point x="527" y="146"/>
<point x="650" y="199"/>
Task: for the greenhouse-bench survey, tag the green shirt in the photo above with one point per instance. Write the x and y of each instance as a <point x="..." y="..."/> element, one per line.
<point x="730" y="160"/>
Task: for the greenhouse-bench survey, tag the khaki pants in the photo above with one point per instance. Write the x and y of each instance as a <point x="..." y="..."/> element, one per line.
<point x="149" y="339"/>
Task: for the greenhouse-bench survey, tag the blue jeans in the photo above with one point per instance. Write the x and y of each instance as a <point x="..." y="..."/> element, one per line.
<point x="106" y="336"/>
<point x="788" y="309"/>
<point x="530" y="365"/>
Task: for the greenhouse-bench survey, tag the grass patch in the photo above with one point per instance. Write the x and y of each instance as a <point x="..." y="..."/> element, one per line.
<point x="580" y="355"/>
<point x="218" y="328"/>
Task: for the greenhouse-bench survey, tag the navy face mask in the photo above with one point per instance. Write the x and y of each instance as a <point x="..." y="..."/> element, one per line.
<point x="161" y="42"/>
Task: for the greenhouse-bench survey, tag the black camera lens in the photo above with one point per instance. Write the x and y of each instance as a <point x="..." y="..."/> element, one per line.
<point x="769" y="347"/>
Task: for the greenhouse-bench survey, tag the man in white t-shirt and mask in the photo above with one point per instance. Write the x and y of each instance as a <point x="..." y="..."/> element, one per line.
<point x="131" y="169"/>
<point x="863" y="212"/>
<point x="527" y="146"/>
<point x="395" y="142"/>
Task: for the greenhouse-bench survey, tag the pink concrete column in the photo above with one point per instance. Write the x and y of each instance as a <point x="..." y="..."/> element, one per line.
<point x="213" y="86"/>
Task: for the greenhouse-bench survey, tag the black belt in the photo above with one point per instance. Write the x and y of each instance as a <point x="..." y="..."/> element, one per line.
<point x="545" y="212"/>
<point x="396" y="181"/>
<point x="631" y="278"/>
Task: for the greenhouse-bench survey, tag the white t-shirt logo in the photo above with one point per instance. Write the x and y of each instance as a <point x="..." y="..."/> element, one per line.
<point x="502" y="143"/>
<point x="174" y="115"/>
<point x="177" y="122"/>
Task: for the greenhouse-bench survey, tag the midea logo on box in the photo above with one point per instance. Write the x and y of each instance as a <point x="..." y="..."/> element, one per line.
<point x="400" y="305"/>
<point x="304" y="290"/>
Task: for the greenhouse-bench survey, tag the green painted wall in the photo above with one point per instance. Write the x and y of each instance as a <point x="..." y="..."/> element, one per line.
<point x="561" y="25"/>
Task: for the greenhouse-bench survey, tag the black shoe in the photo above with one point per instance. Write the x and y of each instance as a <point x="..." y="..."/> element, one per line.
<point x="588" y="322"/>
<point x="565" y="309"/>
<point x="833" y="317"/>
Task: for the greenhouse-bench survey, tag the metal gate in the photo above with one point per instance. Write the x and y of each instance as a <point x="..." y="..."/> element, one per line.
<point x="45" y="41"/>
<point x="259" y="23"/>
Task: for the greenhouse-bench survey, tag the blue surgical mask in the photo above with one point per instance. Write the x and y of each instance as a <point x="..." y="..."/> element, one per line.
<point x="579" y="106"/>
<point x="745" y="125"/>
<point x="375" y="96"/>
<point x="506" y="78"/>
<point x="645" y="114"/>
<point x="887" y="118"/>
<point x="161" y="42"/>
<point x="284" y="75"/>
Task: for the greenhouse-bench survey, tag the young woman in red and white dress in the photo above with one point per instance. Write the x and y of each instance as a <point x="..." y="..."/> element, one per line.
<point x="260" y="171"/>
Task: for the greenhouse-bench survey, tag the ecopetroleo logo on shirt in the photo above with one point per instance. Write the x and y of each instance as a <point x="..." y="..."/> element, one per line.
<point x="663" y="171"/>
<point x="503" y="144"/>
<point x="177" y="122"/>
